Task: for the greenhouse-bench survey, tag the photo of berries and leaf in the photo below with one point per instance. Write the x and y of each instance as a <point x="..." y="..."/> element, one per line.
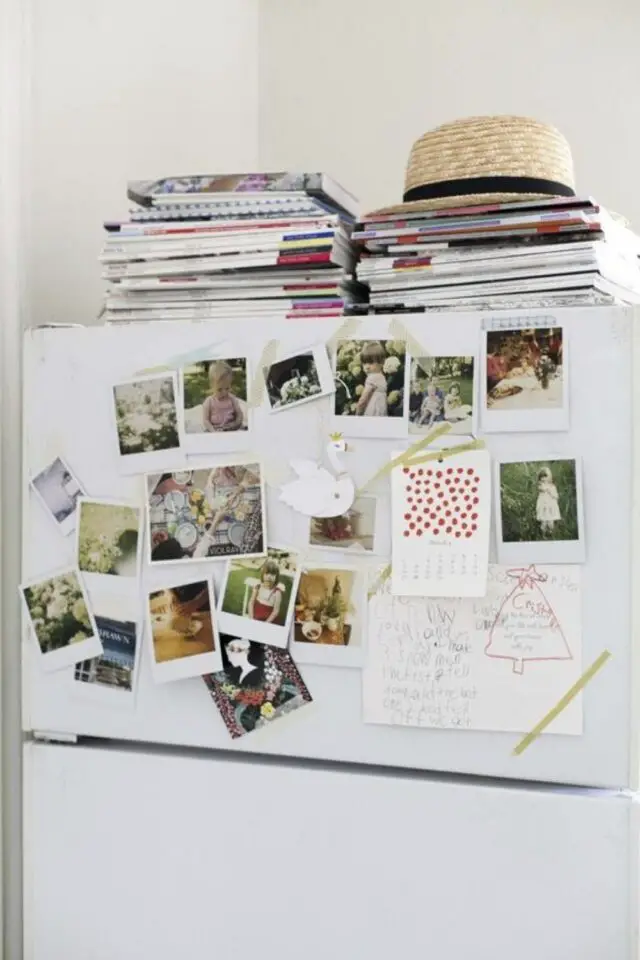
<point x="58" y="612"/>
<point x="353" y="370"/>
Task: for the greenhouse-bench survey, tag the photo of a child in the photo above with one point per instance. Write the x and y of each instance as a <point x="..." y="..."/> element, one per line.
<point x="372" y="402"/>
<point x="265" y="601"/>
<point x="432" y="406"/>
<point x="539" y="501"/>
<point x="370" y="379"/>
<point x="258" y="594"/>
<point x="441" y="392"/>
<point x="215" y="396"/>
<point x="547" y="509"/>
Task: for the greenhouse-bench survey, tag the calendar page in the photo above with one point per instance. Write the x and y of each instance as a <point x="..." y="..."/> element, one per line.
<point x="440" y="526"/>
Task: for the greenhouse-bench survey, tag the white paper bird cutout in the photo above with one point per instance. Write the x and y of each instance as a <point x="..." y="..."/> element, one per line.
<point x="316" y="493"/>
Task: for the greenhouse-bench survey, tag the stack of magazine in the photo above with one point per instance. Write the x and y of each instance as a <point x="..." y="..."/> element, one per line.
<point x="260" y="244"/>
<point x="540" y="253"/>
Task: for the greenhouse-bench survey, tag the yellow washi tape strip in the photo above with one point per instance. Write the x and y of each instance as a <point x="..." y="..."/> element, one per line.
<point x="344" y="331"/>
<point x="447" y="452"/>
<point x="165" y="368"/>
<point x="258" y="387"/>
<point x="571" y="693"/>
<point x="398" y="331"/>
<point x="407" y="455"/>
<point x="384" y="574"/>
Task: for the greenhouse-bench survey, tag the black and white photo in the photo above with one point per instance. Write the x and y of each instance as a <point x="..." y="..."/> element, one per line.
<point x="298" y="378"/>
<point x="58" y="491"/>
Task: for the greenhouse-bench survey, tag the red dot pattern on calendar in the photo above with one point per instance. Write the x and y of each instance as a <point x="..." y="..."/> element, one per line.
<point x="441" y="502"/>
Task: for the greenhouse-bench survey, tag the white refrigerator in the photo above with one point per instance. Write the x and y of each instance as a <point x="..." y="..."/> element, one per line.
<point x="148" y="829"/>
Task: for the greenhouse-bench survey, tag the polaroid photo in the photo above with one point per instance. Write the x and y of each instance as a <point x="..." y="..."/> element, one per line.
<point x="58" y="490"/>
<point x="539" y="511"/>
<point x="209" y="513"/>
<point x="111" y="678"/>
<point x="258" y="685"/>
<point x="371" y="388"/>
<point x="60" y="618"/>
<point x="356" y="531"/>
<point x="182" y="631"/>
<point x="524" y="380"/>
<point x="443" y="391"/>
<point x="108" y="542"/>
<point x="329" y="627"/>
<point x="299" y="378"/>
<point x="148" y="422"/>
<point x="215" y="405"/>
<point x="258" y="596"/>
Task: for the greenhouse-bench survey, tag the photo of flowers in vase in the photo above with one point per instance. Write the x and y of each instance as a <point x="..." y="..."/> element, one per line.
<point x="257" y="685"/>
<point x="328" y="613"/>
<point x="61" y="621"/>
<point x="371" y="392"/>
<point x="108" y="538"/>
<point x="206" y="513"/>
<point x="146" y="418"/>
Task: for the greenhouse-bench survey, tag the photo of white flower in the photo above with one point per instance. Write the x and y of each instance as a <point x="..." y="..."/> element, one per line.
<point x="60" y="619"/>
<point x="146" y="415"/>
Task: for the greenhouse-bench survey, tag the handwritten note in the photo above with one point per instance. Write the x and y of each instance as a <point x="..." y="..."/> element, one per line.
<point x="495" y="663"/>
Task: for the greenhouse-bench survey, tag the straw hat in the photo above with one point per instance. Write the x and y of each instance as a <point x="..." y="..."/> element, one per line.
<point x="482" y="160"/>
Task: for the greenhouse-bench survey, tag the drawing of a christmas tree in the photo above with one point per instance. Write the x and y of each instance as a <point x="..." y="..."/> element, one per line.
<point x="526" y="627"/>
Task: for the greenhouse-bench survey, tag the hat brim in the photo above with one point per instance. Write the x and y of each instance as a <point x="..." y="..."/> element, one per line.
<point x="459" y="202"/>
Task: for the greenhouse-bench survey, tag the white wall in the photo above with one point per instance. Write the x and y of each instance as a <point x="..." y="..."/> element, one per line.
<point x="346" y="86"/>
<point x="123" y="90"/>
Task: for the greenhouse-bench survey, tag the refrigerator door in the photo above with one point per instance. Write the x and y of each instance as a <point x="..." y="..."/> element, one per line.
<point x="69" y="378"/>
<point x="131" y="854"/>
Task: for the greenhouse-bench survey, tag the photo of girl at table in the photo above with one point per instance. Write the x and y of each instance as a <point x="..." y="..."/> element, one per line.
<point x="194" y="515"/>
